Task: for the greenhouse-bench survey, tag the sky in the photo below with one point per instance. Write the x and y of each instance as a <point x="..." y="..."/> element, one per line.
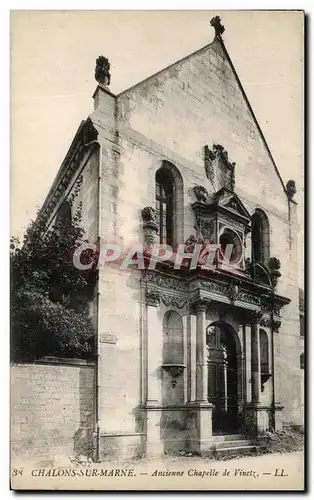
<point x="53" y="56"/>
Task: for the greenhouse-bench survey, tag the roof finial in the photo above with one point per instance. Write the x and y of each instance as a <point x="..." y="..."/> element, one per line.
<point x="216" y="24"/>
<point x="102" y="74"/>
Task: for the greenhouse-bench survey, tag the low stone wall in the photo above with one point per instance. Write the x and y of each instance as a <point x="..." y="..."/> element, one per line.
<point x="52" y="410"/>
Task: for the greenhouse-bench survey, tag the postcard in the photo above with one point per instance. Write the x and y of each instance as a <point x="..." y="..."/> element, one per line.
<point x="157" y="274"/>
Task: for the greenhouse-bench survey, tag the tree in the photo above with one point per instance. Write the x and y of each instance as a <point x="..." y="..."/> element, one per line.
<point x="49" y="295"/>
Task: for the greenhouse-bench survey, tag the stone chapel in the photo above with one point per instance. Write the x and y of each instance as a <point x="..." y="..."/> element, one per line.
<point x="187" y="358"/>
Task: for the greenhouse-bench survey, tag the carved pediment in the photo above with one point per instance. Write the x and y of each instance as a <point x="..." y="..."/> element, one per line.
<point x="228" y="200"/>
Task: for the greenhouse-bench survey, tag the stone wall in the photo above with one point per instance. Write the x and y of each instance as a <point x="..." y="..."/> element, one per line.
<point x="52" y="411"/>
<point x="172" y="116"/>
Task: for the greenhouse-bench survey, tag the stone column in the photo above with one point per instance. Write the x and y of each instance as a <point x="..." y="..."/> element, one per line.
<point x="201" y="358"/>
<point x="200" y="410"/>
<point x="154" y="375"/>
<point x="256" y="415"/>
<point x="255" y="361"/>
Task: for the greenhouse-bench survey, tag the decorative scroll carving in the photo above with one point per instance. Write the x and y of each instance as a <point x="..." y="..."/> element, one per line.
<point x="248" y="297"/>
<point x="255" y="316"/>
<point x="274" y="266"/>
<point x="150" y="226"/>
<point x="170" y="300"/>
<point x="175" y="370"/>
<point x="207" y="230"/>
<point x="215" y="287"/>
<point x="201" y="305"/>
<point x="269" y="306"/>
<point x="266" y="321"/>
<point x="152" y="298"/>
<point x="291" y="189"/>
<point x="201" y="193"/>
<point x="164" y="281"/>
<point x="102" y="74"/>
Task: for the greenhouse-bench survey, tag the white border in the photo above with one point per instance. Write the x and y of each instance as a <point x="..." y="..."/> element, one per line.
<point x="6" y="6"/>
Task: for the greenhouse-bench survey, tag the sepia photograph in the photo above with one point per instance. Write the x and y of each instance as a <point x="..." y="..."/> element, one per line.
<point x="157" y="332"/>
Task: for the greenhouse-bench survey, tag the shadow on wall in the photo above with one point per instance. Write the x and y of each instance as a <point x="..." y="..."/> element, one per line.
<point x="83" y="437"/>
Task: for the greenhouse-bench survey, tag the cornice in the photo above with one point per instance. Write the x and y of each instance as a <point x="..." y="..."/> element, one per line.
<point x="86" y="134"/>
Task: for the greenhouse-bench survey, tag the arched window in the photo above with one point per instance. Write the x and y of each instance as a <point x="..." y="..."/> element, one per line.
<point x="260" y="238"/>
<point x="169" y="204"/>
<point x="173" y="338"/>
<point x="164" y="205"/>
<point x="229" y="237"/>
<point x="264" y="352"/>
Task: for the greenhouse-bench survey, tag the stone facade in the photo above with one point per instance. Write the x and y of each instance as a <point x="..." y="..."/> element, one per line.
<point x="178" y="119"/>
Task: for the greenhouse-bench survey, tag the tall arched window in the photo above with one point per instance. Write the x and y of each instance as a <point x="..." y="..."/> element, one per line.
<point x="169" y="204"/>
<point x="260" y="237"/>
<point x="164" y="205"/>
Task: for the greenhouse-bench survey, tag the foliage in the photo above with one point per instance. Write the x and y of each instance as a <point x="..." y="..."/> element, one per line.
<point x="49" y="295"/>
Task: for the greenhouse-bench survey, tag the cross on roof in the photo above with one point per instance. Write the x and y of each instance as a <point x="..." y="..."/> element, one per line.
<point x="215" y="22"/>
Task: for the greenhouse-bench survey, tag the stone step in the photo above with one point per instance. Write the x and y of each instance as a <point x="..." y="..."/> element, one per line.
<point x="239" y="443"/>
<point x="236" y="449"/>
<point x="228" y="437"/>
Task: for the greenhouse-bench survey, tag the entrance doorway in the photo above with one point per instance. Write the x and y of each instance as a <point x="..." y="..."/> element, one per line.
<point x="223" y="377"/>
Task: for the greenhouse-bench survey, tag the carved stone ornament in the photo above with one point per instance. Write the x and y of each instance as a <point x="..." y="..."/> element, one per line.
<point x="150" y="226"/>
<point x="102" y="74"/>
<point x="219" y="170"/>
<point x="201" y="193"/>
<point x="175" y="370"/>
<point x="207" y="230"/>
<point x="170" y="300"/>
<point x="266" y="321"/>
<point x="201" y="305"/>
<point x="190" y="244"/>
<point x="274" y="265"/>
<point x="152" y="298"/>
<point x="255" y="316"/>
<point x="232" y="291"/>
<point x="276" y="325"/>
<point x="291" y="189"/>
<point x="215" y="22"/>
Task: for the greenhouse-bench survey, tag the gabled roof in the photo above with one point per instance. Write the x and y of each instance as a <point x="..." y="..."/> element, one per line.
<point x="217" y="40"/>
